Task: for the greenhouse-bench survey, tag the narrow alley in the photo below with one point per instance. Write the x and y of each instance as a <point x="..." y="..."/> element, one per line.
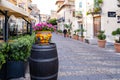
<point x="81" y="61"/>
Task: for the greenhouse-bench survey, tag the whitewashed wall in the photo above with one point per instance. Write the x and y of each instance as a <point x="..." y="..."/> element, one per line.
<point x="87" y="19"/>
<point x="109" y="23"/>
<point x="61" y="14"/>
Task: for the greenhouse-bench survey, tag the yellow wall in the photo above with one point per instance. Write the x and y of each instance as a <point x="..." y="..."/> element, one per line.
<point x="19" y="2"/>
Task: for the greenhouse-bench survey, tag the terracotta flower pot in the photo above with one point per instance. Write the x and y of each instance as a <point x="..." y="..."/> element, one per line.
<point x="101" y="43"/>
<point x="117" y="47"/>
<point x="76" y="37"/>
<point x="81" y="39"/>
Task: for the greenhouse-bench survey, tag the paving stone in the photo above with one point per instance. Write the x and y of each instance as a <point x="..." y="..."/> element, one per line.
<point x="81" y="61"/>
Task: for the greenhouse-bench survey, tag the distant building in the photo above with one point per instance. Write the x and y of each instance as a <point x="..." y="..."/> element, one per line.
<point x="65" y="12"/>
<point x="44" y="17"/>
<point x="94" y="16"/>
<point x="35" y="12"/>
<point x="53" y="14"/>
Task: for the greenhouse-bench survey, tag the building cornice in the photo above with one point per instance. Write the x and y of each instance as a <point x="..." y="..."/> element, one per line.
<point x="59" y="1"/>
<point x="64" y="5"/>
<point x="12" y="9"/>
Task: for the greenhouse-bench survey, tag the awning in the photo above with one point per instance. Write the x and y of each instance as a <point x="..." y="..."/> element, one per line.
<point x="12" y="9"/>
<point x="31" y="18"/>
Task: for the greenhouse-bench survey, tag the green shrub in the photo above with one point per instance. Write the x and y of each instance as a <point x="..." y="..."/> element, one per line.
<point x="20" y="48"/>
<point x="101" y="35"/>
<point x="116" y="33"/>
<point x="3" y="53"/>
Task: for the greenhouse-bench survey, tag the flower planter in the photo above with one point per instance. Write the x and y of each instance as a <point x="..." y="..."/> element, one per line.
<point x="43" y="32"/>
<point x="43" y="36"/>
<point x="101" y="39"/>
<point x="81" y="39"/>
<point x="67" y="35"/>
<point x="76" y="37"/>
<point x="15" y="69"/>
<point x="3" y="72"/>
<point x="101" y="43"/>
<point x="117" y="47"/>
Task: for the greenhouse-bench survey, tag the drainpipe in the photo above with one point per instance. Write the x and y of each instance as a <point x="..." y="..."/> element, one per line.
<point x="39" y="17"/>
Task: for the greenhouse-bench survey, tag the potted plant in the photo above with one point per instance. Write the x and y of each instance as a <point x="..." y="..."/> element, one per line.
<point x="75" y="35"/>
<point x="117" y="41"/>
<point x="68" y="27"/>
<point x="82" y="35"/>
<point x="60" y="32"/>
<point x="101" y="39"/>
<point x="43" y="32"/>
<point x="69" y="33"/>
<point x="118" y="3"/>
<point x="2" y="66"/>
<point x="100" y="1"/>
<point x="3" y="53"/>
<point x="18" y="55"/>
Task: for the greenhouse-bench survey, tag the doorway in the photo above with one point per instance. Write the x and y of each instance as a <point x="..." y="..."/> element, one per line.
<point x="97" y="25"/>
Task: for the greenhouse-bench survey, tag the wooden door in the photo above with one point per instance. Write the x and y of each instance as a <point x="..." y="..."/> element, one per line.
<point x="97" y="25"/>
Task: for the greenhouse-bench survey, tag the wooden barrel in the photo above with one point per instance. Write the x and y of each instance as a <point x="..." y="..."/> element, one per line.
<point x="43" y="62"/>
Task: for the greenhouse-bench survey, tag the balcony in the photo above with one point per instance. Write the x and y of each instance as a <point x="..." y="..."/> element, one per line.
<point x="30" y="6"/>
<point x="13" y="1"/>
<point x="95" y="10"/>
<point x="69" y="2"/>
<point x="66" y="4"/>
<point x="59" y="1"/>
<point x="78" y="14"/>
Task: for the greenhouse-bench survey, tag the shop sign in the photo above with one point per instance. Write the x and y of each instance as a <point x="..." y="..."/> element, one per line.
<point x="111" y="14"/>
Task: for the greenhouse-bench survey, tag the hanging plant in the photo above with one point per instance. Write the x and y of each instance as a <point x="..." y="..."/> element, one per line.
<point x="97" y="9"/>
<point x="100" y="1"/>
<point x="89" y="12"/>
<point x="118" y="3"/>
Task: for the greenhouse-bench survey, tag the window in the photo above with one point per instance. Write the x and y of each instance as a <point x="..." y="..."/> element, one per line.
<point x="73" y="13"/>
<point x="80" y="4"/>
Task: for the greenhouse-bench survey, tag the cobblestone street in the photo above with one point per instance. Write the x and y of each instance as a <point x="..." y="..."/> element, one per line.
<point x="81" y="61"/>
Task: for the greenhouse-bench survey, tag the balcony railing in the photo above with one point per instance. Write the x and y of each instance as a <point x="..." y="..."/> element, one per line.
<point x="78" y="14"/>
<point x="95" y="10"/>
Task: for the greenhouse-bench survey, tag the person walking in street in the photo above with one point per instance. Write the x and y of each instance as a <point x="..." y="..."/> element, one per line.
<point x="65" y="32"/>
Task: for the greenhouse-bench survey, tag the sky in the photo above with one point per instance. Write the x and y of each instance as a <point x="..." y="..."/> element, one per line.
<point x="45" y="6"/>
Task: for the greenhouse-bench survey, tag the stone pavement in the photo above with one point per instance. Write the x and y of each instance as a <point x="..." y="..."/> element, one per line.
<point x="82" y="61"/>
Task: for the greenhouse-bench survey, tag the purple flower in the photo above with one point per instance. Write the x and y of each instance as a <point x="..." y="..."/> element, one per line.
<point x="43" y="26"/>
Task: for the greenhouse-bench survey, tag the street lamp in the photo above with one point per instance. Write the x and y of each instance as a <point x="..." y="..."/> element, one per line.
<point x="39" y="17"/>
